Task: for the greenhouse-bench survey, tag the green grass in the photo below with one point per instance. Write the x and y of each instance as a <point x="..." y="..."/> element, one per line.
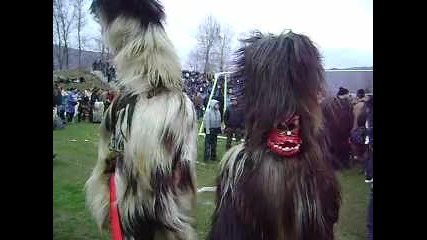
<point x="75" y="159"/>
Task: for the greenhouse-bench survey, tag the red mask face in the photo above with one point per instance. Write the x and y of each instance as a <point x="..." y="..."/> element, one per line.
<point x="285" y="139"/>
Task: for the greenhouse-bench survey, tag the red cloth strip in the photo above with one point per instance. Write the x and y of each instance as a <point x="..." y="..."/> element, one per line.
<point x="116" y="229"/>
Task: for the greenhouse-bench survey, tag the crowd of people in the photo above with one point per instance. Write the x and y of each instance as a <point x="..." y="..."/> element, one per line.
<point x="198" y="88"/>
<point x="107" y="69"/>
<point x="345" y="126"/>
<point x="72" y="104"/>
<point x="348" y="130"/>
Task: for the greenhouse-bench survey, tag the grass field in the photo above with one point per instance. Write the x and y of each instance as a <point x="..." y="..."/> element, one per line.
<point x="75" y="159"/>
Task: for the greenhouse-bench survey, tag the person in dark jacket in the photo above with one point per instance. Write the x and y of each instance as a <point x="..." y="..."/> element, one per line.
<point x="198" y="104"/>
<point x="83" y="109"/>
<point x="367" y="113"/>
<point x="60" y="100"/>
<point x="57" y="96"/>
<point x="338" y="122"/>
<point x="233" y="119"/>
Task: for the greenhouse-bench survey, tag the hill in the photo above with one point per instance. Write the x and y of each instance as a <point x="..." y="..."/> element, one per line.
<point x="353" y="68"/>
<point x="91" y="80"/>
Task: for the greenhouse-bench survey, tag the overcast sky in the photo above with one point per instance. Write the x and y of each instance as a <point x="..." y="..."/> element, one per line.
<point x="341" y="29"/>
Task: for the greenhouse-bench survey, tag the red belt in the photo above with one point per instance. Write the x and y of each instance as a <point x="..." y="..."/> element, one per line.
<point x="116" y="229"/>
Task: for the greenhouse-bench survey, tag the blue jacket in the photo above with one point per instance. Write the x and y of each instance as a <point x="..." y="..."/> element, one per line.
<point x="71" y="102"/>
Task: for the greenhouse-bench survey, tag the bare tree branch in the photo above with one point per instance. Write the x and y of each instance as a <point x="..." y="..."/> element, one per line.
<point x="213" y="49"/>
<point x="208" y="35"/>
<point x="57" y="33"/>
<point x="224" y="45"/>
<point x="195" y="60"/>
<point x="80" y="22"/>
<point x="100" y="46"/>
<point x="64" y="17"/>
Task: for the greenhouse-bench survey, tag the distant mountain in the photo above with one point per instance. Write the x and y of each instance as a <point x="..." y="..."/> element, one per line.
<point x="346" y="58"/>
<point x="353" y="68"/>
<point x="88" y="57"/>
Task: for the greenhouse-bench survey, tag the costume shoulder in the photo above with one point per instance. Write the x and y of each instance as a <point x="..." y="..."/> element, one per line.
<point x="120" y="103"/>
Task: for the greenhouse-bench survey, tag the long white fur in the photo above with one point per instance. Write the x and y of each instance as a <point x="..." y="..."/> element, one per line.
<point x="232" y="169"/>
<point x="145" y="148"/>
<point x="97" y="189"/>
<point x="143" y="56"/>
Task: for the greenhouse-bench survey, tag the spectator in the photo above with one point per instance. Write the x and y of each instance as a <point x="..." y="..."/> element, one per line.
<point x="94" y="97"/>
<point x="83" y="110"/>
<point x="358" y="105"/>
<point x="60" y="104"/>
<point x="94" y="66"/>
<point x="63" y="105"/>
<point x="112" y="72"/>
<point x="71" y="104"/>
<point x="367" y="113"/>
<point x="198" y="102"/>
<point x="367" y="117"/>
<point x="338" y="122"/>
<point x="233" y="119"/>
<point x="212" y="123"/>
<point x="108" y="99"/>
<point x="57" y="96"/>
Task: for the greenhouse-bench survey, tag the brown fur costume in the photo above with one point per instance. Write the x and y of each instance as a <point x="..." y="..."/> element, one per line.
<point x="261" y="194"/>
<point x="338" y="122"/>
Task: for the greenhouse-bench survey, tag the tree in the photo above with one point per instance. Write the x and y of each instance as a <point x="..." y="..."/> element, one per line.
<point x="208" y="35"/>
<point x="57" y="33"/>
<point x="224" y="46"/>
<point x="98" y="38"/>
<point x="194" y="61"/>
<point x="80" y="23"/>
<point x="63" y="18"/>
<point x="100" y="46"/>
<point x="213" y="49"/>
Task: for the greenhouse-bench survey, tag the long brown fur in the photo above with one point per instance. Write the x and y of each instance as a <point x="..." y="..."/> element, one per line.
<point x="261" y="195"/>
<point x="338" y="122"/>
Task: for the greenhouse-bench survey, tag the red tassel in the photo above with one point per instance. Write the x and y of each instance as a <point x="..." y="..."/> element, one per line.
<point x="116" y="230"/>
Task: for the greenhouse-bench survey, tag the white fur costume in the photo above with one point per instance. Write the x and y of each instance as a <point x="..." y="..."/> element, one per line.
<point x="148" y="134"/>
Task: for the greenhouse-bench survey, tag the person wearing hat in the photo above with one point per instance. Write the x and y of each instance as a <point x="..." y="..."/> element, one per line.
<point x="358" y="105"/>
<point x="338" y="122"/>
<point x="343" y="93"/>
